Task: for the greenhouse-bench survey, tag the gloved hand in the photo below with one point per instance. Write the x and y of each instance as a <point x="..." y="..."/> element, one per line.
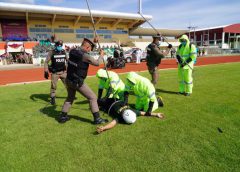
<point x="150" y="106"/>
<point x="183" y="64"/>
<point x="109" y="92"/>
<point x="179" y="59"/>
<point x="169" y="45"/>
<point x="148" y="113"/>
<point x="126" y="94"/>
<point x="186" y="62"/>
<point x="100" y="91"/>
<point x="46" y="75"/>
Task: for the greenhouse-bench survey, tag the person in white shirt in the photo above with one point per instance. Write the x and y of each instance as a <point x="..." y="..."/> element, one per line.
<point x="138" y="56"/>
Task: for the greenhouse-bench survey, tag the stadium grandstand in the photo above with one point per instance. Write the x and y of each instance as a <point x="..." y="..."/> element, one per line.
<point x="22" y="22"/>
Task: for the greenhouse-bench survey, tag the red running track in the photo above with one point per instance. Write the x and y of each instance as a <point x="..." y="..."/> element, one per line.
<point x="36" y="74"/>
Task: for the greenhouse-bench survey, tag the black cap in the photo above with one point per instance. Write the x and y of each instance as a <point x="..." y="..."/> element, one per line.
<point x="59" y="43"/>
<point x="157" y="36"/>
<point x="90" y="42"/>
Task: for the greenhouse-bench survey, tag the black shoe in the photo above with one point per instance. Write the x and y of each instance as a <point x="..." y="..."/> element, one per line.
<point x="187" y="94"/>
<point x="52" y="101"/>
<point x="160" y="101"/>
<point x="63" y="118"/>
<point x="100" y="121"/>
<point x="180" y="93"/>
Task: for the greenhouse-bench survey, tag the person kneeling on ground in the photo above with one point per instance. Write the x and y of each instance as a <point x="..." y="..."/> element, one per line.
<point x="144" y="91"/>
<point x="110" y="81"/>
<point x="121" y="113"/>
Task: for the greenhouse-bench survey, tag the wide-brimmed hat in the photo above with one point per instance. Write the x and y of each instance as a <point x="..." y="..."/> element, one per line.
<point x="157" y="36"/>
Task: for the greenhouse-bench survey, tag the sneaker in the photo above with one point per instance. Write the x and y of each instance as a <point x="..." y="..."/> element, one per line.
<point x="187" y="94"/>
<point x="160" y="101"/>
<point x="100" y="121"/>
<point x="63" y="118"/>
<point x="52" y="101"/>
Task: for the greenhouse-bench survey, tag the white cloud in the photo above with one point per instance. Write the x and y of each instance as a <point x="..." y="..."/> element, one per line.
<point x="20" y="1"/>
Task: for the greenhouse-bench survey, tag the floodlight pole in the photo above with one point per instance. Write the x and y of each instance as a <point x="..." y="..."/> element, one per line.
<point x="140" y="6"/>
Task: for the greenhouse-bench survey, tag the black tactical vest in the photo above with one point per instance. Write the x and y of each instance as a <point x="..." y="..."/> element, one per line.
<point x="116" y="108"/>
<point x="58" y="61"/>
<point x="152" y="57"/>
<point x="77" y="69"/>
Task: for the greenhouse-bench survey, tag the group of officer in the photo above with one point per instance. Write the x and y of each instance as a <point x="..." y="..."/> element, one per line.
<point x="186" y="56"/>
<point x="115" y="102"/>
<point x="77" y="67"/>
<point x="73" y="76"/>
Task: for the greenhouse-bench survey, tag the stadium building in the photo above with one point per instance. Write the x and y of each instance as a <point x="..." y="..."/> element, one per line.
<point x="226" y="37"/>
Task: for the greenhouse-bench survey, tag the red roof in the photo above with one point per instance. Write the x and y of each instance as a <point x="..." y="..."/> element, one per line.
<point x="234" y="28"/>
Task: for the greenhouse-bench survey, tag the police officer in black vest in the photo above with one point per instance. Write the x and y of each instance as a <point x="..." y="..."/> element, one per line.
<point x="154" y="57"/>
<point x="55" y="63"/>
<point x="78" y="63"/>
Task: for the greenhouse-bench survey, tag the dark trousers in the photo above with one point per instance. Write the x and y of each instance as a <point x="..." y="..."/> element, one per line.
<point x="83" y="90"/>
<point x="153" y="70"/>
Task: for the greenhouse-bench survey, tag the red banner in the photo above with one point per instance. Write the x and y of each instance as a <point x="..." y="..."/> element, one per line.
<point x="15" y="45"/>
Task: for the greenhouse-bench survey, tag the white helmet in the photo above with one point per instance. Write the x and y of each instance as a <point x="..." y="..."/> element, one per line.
<point x="129" y="116"/>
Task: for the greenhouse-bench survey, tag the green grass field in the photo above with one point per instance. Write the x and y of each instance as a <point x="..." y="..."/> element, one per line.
<point x="187" y="140"/>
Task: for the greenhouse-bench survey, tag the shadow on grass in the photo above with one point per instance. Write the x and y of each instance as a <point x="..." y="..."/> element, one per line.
<point x="51" y="111"/>
<point x="35" y="97"/>
<point x="82" y="102"/>
<point x="166" y="91"/>
<point x="44" y="97"/>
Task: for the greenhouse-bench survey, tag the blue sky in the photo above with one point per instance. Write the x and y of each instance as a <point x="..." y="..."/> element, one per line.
<point x="171" y="14"/>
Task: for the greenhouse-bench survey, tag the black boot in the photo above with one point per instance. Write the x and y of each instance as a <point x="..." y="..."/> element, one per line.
<point x="63" y="117"/>
<point x="181" y="93"/>
<point x="98" y="119"/>
<point x="52" y="101"/>
<point x="160" y="101"/>
<point x="187" y="94"/>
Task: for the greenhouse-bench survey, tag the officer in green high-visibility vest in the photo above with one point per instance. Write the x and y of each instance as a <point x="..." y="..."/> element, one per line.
<point x="144" y="91"/>
<point x="114" y="86"/>
<point x="186" y="54"/>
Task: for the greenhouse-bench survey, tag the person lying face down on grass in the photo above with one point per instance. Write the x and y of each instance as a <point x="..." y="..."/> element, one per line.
<point x="121" y="113"/>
